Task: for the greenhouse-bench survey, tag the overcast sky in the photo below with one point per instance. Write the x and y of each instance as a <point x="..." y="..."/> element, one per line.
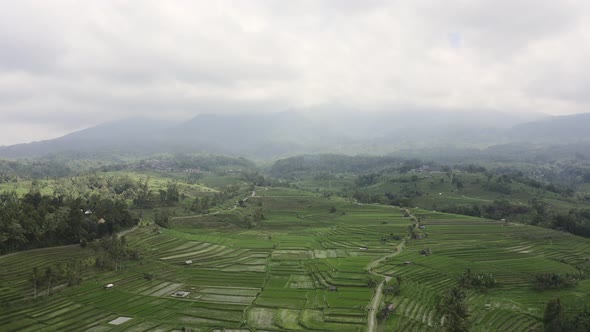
<point x="66" y="65"/>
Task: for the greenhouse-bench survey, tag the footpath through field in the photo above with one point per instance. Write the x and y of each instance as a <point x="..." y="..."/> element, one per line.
<point x="376" y="300"/>
<point x="253" y="194"/>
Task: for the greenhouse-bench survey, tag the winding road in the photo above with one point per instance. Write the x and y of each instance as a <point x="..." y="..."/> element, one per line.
<point x="376" y="300"/>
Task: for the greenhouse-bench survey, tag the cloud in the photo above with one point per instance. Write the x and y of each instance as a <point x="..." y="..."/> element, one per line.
<point x="69" y="64"/>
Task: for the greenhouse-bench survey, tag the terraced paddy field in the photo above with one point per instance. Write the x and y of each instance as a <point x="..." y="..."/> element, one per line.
<point x="306" y="266"/>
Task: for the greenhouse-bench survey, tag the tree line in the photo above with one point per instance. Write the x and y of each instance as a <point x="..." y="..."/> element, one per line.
<point x="36" y="220"/>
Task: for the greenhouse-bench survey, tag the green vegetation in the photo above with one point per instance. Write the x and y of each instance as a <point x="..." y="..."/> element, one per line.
<point x="37" y="220"/>
<point x="455" y="312"/>
<point x="557" y="319"/>
<point x="479" y="281"/>
<point x="255" y="250"/>
<point x="551" y="280"/>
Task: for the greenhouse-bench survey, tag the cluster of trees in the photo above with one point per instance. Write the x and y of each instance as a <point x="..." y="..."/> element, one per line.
<point x="567" y="173"/>
<point x="171" y="195"/>
<point x="368" y="198"/>
<point x="70" y="272"/>
<point x="551" y="280"/>
<point x="499" y="209"/>
<point x="332" y="163"/>
<point x="113" y="251"/>
<point x="405" y="179"/>
<point x="145" y="198"/>
<point x="500" y="180"/>
<point x="113" y="187"/>
<point x="200" y="204"/>
<point x="577" y="222"/>
<point x="480" y="281"/>
<point x="555" y="318"/>
<point x="498" y="187"/>
<point x="37" y="220"/>
<point x="182" y="162"/>
<point x="455" y="310"/>
<point x="210" y="163"/>
<point x="33" y="169"/>
<point x="366" y="180"/>
<point x="415" y="163"/>
<point x="162" y="218"/>
<point x="203" y="204"/>
<point x="471" y="168"/>
<point x="251" y="220"/>
<point x="390" y="237"/>
<point x="392" y="289"/>
<point x="255" y="179"/>
<point x="122" y="187"/>
<point x="556" y="186"/>
<point x="324" y="176"/>
<point x="408" y="191"/>
<point x="426" y="252"/>
<point x="387" y="198"/>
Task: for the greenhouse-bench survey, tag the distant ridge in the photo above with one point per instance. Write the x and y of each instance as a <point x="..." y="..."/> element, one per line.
<point x="270" y="135"/>
<point x="568" y="128"/>
<point x="129" y="133"/>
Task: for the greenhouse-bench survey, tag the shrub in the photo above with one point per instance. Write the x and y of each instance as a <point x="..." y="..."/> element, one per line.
<point x="426" y="252"/>
<point x="480" y="281"/>
<point x="551" y="280"/>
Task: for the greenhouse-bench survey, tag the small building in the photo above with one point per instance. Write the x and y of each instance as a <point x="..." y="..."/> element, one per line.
<point x="422" y="227"/>
<point x="333" y="288"/>
<point x="88" y="212"/>
<point x="363" y="248"/>
<point x="109" y="286"/>
<point x="189" y="262"/>
<point x="101" y="221"/>
<point x="408" y="263"/>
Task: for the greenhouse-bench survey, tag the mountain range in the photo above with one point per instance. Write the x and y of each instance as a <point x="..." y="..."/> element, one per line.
<point x="270" y="135"/>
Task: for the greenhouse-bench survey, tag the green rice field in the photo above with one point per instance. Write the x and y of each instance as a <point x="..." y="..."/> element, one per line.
<point x="305" y="266"/>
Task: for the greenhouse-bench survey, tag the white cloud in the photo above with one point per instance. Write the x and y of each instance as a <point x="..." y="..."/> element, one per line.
<point x="70" y="64"/>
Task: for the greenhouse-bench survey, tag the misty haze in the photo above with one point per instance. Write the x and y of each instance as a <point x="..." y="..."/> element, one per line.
<point x="295" y="165"/>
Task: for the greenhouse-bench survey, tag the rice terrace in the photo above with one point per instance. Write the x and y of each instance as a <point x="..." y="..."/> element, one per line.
<point x="294" y="165"/>
<point x="285" y="259"/>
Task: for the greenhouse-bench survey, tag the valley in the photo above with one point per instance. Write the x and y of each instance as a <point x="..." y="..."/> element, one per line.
<point x="308" y="261"/>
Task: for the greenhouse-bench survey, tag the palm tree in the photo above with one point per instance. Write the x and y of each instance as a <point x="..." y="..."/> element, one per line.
<point x="48" y="276"/>
<point x="455" y="311"/>
<point x="35" y="280"/>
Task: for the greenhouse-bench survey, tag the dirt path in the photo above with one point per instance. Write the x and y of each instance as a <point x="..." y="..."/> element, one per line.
<point x="253" y="194"/>
<point x="123" y="233"/>
<point x="236" y="205"/>
<point x="376" y="300"/>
